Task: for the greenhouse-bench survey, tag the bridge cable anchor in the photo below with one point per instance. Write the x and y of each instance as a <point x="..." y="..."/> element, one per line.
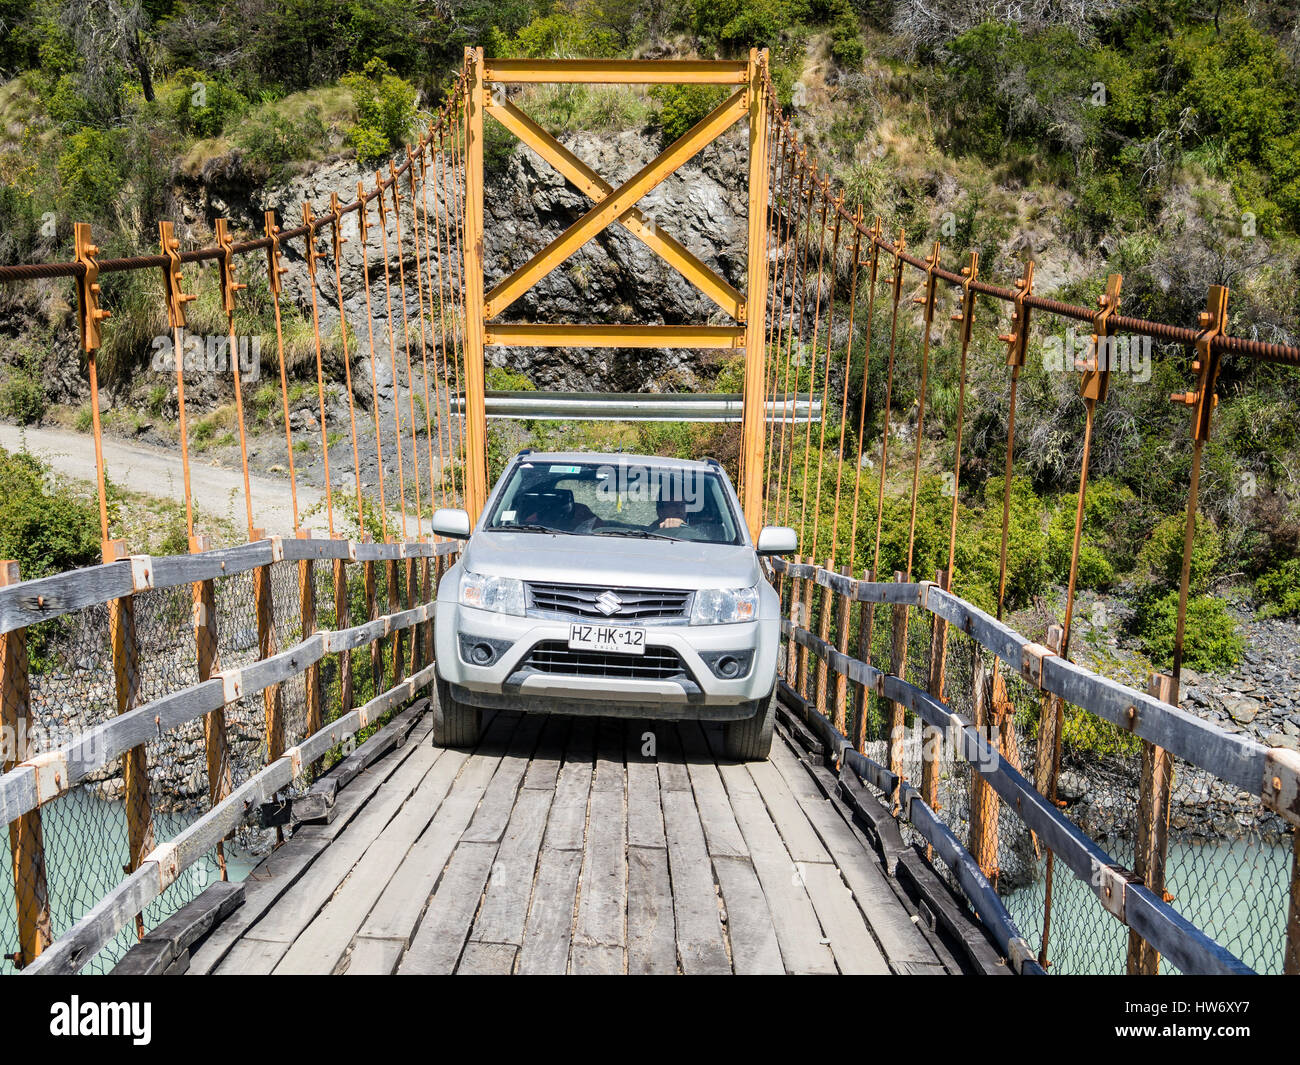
<point x="88" y="289"/>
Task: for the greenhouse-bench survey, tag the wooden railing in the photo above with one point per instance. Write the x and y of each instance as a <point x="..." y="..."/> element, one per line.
<point x="1270" y="774"/>
<point x="35" y="778"/>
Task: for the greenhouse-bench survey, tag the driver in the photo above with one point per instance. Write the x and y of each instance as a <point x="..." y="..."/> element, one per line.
<point x="671" y="514"/>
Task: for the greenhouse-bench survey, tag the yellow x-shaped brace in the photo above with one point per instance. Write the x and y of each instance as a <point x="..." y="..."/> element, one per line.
<point x="617" y="205"/>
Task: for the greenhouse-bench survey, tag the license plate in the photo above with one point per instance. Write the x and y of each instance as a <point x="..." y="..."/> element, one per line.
<point x="607" y="638"/>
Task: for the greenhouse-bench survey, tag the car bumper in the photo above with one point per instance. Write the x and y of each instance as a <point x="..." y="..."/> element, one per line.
<point x="509" y="681"/>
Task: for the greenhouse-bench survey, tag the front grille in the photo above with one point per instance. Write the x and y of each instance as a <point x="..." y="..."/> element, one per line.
<point x="556" y="657"/>
<point x="636" y="604"/>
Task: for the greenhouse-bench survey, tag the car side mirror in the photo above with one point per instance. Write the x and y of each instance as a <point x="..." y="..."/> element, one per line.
<point x="453" y="522"/>
<point x="777" y="540"/>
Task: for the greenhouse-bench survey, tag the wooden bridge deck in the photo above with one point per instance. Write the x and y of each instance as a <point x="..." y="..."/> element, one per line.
<point x="556" y="846"/>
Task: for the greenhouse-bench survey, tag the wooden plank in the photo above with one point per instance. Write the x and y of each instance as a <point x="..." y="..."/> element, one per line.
<point x="856" y="952"/>
<point x="594" y="960"/>
<point x="322" y="944"/>
<point x="197" y="918"/>
<point x="602" y="903"/>
<point x="549" y="755"/>
<point x="721" y="833"/>
<point x="754" y="946"/>
<point x="487" y="959"/>
<point x="567" y="825"/>
<point x="282" y="867"/>
<point x="504" y="911"/>
<point x="76" y="947"/>
<point x="374" y="957"/>
<point x="285" y="920"/>
<point x="437" y="945"/>
<point x="549" y="931"/>
<point x="397" y="913"/>
<point x="890" y="922"/>
<point x="147" y="958"/>
<point x="673" y="775"/>
<point x="28" y="602"/>
<point x="797" y="929"/>
<point x="498" y="801"/>
<point x="645" y="819"/>
<point x="651" y="929"/>
<point x="701" y="946"/>
<point x="797" y="834"/>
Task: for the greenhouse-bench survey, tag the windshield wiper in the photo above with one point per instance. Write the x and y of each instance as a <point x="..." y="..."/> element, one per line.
<point x="640" y="534"/>
<point x="523" y="528"/>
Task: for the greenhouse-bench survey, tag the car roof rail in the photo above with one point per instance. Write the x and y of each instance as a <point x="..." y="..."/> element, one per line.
<point x="524" y="451"/>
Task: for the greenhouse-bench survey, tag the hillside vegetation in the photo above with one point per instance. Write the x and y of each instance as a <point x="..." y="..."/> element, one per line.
<point x="1160" y="140"/>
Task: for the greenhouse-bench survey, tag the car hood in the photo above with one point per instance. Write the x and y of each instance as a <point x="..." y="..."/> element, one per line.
<point x="612" y="561"/>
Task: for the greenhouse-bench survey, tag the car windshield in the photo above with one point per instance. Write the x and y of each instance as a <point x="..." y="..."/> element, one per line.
<point x="616" y="499"/>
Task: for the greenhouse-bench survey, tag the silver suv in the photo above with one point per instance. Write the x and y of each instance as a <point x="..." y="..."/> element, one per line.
<point x="619" y="585"/>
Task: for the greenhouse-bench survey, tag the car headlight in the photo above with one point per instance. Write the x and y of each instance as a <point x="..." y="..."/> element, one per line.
<point x="505" y="595"/>
<point x="722" y="606"/>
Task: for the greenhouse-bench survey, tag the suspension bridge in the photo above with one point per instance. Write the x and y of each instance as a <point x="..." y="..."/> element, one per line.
<point x="909" y="820"/>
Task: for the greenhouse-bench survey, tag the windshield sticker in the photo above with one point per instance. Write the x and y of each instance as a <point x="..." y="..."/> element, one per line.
<point x="564" y="469"/>
<point x="507" y="515"/>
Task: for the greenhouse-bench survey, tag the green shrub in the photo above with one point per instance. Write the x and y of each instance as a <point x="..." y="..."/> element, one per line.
<point x="21" y="397"/>
<point x="89" y="170"/>
<point x="202" y="104"/>
<point x="385" y="111"/>
<point x="45" y="531"/>
<point x="682" y="106"/>
<point x="561" y="34"/>
<point x="1161" y="559"/>
<point x="269" y="139"/>
<point x="1279" y="590"/>
<point x="1105" y="546"/>
<point x="499" y="379"/>
<point x="1085" y="732"/>
<point x="1211" y="640"/>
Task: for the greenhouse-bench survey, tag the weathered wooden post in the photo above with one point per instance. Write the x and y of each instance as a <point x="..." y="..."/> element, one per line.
<point x="267" y="646"/>
<point x="371" y="604"/>
<point x="307" y="612"/>
<point x="430" y="593"/>
<point x="1152" y="843"/>
<point x="126" y="683"/>
<point x="932" y="750"/>
<point x="807" y="609"/>
<point x="472" y="273"/>
<point x="866" y="612"/>
<point x="792" y="647"/>
<point x="1051" y="723"/>
<point x="897" y="666"/>
<point x="824" y="634"/>
<point x="204" y="600"/>
<point x="412" y="597"/>
<point x="26" y="841"/>
<point x="391" y="570"/>
<point x="842" y="645"/>
<point x="983" y="840"/>
<point x="1045" y="746"/>
<point x="343" y="620"/>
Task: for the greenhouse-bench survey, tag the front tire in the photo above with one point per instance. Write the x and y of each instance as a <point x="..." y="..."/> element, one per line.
<point x="751" y="740"/>
<point x="455" y="724"/>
